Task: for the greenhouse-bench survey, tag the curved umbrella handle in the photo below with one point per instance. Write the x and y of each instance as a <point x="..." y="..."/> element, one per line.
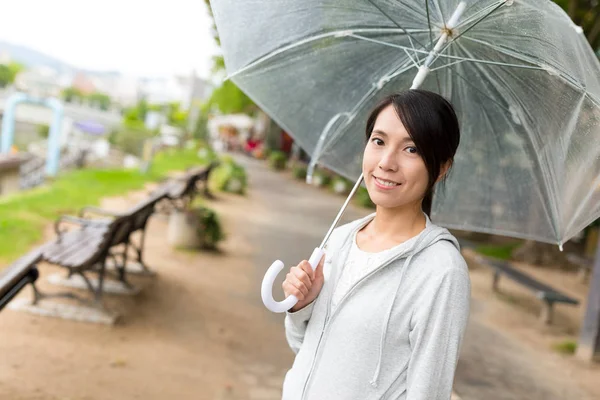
<point x="267" y="284"/>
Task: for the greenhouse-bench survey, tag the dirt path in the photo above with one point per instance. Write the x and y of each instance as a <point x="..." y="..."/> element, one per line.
<point x="198" y="329"/>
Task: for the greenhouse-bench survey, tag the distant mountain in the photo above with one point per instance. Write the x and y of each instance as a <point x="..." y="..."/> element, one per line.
<point x="33" y="58"/>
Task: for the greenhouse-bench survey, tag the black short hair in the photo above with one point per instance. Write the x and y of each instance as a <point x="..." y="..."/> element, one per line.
<point x="431" y="122"/>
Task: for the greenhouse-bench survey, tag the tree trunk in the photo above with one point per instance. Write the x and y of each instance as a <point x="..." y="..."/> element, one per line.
<point x="572" y="10"/>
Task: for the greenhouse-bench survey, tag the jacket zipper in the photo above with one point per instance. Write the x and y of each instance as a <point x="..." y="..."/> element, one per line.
<point x="327" y="316"/>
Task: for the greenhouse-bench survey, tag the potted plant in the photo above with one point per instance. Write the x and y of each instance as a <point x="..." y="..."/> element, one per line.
<point x="209" y="228"/>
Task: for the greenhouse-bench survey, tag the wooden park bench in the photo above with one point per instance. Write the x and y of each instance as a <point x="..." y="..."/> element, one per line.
<point x="177" y="192"/>
<point x="544" y="292"/>
<point x="18" y="275"/>
<point x="182" y="191"/>
<point x="547" y="294"/>
<point x="87" y="249"/>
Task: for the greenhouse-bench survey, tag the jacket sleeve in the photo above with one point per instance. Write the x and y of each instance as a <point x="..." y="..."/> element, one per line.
<point x="295" y="326"/>
<point x="437" y="328"/>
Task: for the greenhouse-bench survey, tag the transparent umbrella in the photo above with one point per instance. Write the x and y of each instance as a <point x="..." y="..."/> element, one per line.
<point x="522" y="77"/>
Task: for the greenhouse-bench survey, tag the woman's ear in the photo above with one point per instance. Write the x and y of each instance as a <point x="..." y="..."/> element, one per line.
<point x="444" y="170"/>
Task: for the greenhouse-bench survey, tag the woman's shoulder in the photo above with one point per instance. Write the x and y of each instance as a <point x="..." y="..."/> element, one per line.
<point x="443" y="257"/>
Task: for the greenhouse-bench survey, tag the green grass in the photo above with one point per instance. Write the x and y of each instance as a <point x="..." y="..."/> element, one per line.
<point x="502" y="252"/>
<point x="566" y="347"/>
<point x="23" y="216"/>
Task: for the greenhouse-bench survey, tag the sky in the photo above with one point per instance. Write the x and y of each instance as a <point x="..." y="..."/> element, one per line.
<point x="144" y="38"/>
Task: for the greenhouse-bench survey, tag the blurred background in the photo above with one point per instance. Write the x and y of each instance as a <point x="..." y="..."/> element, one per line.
<point x="153" y="292"/>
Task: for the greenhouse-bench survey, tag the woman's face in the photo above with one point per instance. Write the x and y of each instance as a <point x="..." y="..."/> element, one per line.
<point x="394" y="172"/>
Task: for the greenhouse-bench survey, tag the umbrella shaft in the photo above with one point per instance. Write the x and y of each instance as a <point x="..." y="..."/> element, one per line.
<point x="341" y="212"/>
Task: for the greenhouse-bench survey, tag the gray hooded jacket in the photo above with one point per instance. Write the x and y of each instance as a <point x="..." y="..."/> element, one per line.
<point x="397" y="332"/>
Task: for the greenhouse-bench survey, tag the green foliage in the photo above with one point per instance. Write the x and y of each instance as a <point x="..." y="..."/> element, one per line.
<point x="130" y="139"/>
<point x="278" y="160"/>
<point x="501" y="252"/>
<point x="299" y="172"/>
<point x="229" y="177"/>
<point x="24" y="215"/>
<point x="8" y="73"/>
<point x="100" y="100"/>
<point x="362" y="198"/>
<point x="72" y="94"/>
<point x="229" y="99"/>
<point x="209" y="229"/>
<point x="566" y="347"/>
<point x="43" y="130"/>
<point x="176" y="116"/>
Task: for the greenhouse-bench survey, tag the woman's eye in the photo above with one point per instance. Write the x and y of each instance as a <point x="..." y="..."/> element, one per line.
<point x="377" y="141"/>
<point x="412" y="150"/>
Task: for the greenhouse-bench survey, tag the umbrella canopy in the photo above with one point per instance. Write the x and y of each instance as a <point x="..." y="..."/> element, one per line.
<point x="522" y="77"/>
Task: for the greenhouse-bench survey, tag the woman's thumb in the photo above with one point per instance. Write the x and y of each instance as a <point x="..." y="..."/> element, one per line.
<point x="319" y="269"/>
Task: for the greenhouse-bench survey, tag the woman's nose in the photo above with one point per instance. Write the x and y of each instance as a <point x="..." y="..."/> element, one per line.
<point x="388" y="162"/>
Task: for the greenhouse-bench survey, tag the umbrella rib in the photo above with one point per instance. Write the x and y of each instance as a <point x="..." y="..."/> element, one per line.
<point x="500" y="4"/>
<point x="338" y="33"/>
<point x="468" y="20"/>
<point x="439" y="9"/>
<point x="521" y="57"/>
<point x="398" y="46"/>
<point x="395" y="23"/>
<point x="415" y="63"/>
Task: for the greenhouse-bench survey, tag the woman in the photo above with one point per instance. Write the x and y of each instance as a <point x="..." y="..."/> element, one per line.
<point x="383" y="315"/>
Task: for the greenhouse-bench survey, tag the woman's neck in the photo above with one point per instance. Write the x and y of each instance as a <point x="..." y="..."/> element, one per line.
<point x="398" y="224"/>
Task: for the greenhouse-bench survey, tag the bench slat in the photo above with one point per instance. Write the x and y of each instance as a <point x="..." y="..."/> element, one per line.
<point x="545" y="292"/>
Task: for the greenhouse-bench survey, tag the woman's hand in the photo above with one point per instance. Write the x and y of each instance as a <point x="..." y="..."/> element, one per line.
<point x="304" y="283"/>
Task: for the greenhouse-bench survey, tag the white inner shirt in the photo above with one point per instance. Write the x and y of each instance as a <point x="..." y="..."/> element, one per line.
<point x="360" y="263"/>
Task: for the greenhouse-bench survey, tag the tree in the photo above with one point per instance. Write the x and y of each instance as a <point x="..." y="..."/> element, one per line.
<point x="227" y="98"/>
<point x="102" y="100"/>
<point x="8" y="73"/>
<point x="71" y="94"/>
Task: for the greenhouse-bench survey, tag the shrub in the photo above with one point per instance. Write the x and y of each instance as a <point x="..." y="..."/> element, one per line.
<point x="278" y="160"/>
<point x="299" y="172"/>
<point x="229" y="177"/>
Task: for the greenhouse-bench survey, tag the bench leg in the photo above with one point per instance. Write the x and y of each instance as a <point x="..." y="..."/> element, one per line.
<point x="495" y="280"/>
<point x="546" y="314"/>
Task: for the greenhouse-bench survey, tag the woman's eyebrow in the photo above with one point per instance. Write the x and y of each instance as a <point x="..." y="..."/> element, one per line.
<point x="379" y="132"/>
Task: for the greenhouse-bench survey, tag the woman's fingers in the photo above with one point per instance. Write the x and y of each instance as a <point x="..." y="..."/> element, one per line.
<point x="298" y="281"/>
<point x="305" y="266"/>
